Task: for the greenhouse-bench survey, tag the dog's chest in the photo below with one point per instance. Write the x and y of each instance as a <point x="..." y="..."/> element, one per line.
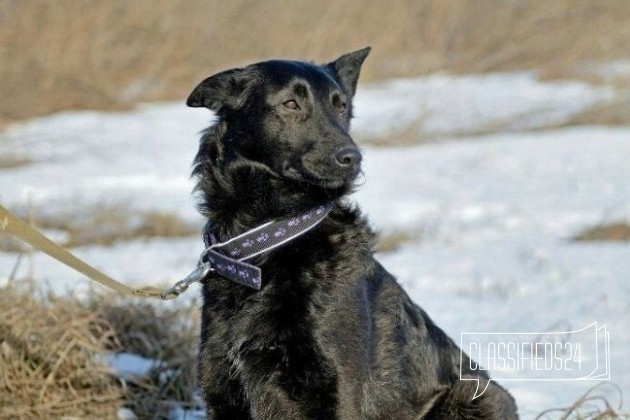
<point x="266" y="323"/>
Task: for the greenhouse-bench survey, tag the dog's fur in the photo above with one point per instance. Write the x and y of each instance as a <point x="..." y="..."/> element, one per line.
<point x="331" y="334"/>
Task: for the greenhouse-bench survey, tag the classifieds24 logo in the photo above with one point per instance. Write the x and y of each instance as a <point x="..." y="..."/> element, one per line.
<point x="577" y="355"/>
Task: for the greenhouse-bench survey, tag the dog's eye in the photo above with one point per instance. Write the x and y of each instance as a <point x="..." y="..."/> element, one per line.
<point x="339" y="105"/>
<point x="291" y="104"/>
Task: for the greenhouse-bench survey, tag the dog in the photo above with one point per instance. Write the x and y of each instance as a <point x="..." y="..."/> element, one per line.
<point x="331" y="334"/>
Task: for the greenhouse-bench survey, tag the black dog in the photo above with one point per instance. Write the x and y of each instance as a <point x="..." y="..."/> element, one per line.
<point x="331" y="334"/>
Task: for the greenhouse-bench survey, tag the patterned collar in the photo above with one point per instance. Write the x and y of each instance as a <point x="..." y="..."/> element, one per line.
<point x="228" y="259"/>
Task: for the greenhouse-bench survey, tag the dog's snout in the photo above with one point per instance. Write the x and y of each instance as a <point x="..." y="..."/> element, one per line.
<point x="348" y="157"/>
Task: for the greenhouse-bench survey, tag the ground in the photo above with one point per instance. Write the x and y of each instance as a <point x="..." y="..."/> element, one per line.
<point x="477" y="183"/>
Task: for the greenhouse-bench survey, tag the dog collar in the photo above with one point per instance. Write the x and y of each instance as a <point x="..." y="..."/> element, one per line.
<point x="228" y="258"/>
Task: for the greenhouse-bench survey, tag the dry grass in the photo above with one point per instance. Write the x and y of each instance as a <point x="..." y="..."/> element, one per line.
<point x="107" y="225"/>
<point x="104" y="224"/>
<point x="595" y="404"/>
<point x="392" y="241"/>
<point x="614" y="112"/>
<point x="12" y="161"/>
<point x="409" y="135"/>
<point x="108" y="54"/>
<point x="167" y="333"/>
<point x="47" y="358"/>
<point x="606" y="232"/>
<point x="50" y="347"/>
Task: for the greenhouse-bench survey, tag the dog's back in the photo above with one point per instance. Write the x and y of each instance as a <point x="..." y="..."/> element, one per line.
<point x="331" y="334"/>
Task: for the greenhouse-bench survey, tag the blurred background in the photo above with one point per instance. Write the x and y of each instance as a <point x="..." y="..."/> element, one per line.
<point x="496" y="137"/>
<point x="106" y="54"/>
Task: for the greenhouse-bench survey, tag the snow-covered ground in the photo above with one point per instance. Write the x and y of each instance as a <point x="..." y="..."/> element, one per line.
<point x="490" y="217"/>
<point x="444" y="105"/>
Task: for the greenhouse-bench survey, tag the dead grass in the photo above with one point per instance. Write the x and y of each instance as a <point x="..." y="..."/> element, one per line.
<point x="47" y="358"/>
<point x="110" y="224"/>
<point x="615" y="232"/>
<point x="595" y="404"/>
<point x="13" y="161"/>
<point x="614" y="112"/>
<point x="108" y="54"/>
<point x="392" y="241"/>
<point x="163" y="332"/>
<point x="409" y="135"/>
<point x="50" y="347"/>
<point x="104" y="224"/>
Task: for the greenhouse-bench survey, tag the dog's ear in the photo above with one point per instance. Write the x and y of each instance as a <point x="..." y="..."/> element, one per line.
<point x="225" y="90"/>
<point x="347" y="68"/>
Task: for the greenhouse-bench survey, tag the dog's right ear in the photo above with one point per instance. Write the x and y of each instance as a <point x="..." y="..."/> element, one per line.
<point x="347" y="68"/>
<point x="225" y="90"/>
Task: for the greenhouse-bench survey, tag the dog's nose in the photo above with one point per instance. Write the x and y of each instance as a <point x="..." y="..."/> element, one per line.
<point x="348" y="157"/>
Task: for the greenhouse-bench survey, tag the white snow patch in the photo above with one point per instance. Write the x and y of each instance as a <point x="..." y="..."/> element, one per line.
<point x="128" y="366"/>
<point x="126" y="414"/>
<point x="444" y="105"/>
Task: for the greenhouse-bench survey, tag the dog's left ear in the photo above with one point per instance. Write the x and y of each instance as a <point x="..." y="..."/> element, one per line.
<point x="347" y="68"/>
<point x="223" y="91"/>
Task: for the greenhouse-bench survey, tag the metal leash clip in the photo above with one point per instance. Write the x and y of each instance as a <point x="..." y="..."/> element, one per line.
<point x="199" y="273"/>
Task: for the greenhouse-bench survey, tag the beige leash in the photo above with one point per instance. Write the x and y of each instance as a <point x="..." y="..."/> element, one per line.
<point x="15" y="226"/>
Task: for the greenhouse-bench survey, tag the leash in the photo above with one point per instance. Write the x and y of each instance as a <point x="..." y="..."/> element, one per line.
<point x="17" y="227"/>
<point x="227" y="259"/>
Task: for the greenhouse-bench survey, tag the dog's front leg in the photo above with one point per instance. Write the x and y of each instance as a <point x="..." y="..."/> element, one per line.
<point x="223" y="393"/>
<point x="275" y="390"/>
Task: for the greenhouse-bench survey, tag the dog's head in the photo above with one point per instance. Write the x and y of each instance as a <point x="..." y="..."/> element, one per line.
<point x="292" y="117"/>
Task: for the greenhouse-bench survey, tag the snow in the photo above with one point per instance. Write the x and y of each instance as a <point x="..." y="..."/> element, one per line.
<point x="131" y="367"/>
<point x="126" y="414"/>
<point x="610" y="72"/>
<point x="179" y="413"/>
<point x="128" y="366"/>
<point x="445" y="105"/>
<point x="491" y="217"/>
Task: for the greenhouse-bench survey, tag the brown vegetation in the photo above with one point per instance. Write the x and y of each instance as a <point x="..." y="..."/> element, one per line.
<point x="614" y="112"/>
<point x="594" y="404"/>
<point x="13" y="161"/>
<point x="50" y="350"/>
<point x="104" y="224"/>
<point x="109" y="54"/>
<point x="47" y="359"/>
<point x="392" y="241"/>
<point x="606" y="232"/>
